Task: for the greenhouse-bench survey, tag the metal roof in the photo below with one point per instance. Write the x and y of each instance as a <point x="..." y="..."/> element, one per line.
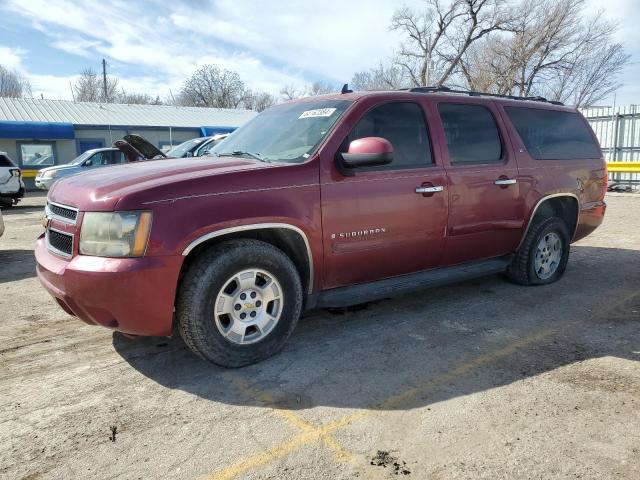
<point x="80" y="113"/>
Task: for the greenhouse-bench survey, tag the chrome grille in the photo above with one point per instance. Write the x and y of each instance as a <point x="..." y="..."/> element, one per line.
<point x="67" y="214"/>
<point x="59" y="242"/>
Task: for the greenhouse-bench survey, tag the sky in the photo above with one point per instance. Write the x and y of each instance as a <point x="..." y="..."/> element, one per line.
<point x="152" y="46"/>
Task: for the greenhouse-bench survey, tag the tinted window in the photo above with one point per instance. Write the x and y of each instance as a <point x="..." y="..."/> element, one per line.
<point x="115" y="157"/>
<point x="403" y="124"/>
<point x="5" y="161"/>
<point x="472" y="134"/>
<point x="118" y="157"/>
<point x="553" y="135"/>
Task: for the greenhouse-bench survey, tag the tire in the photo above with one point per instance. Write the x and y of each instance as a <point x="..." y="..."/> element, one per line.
<point x="523" y="268"/>
<point x="6" y="202"/>
<point x="216" y="281"/>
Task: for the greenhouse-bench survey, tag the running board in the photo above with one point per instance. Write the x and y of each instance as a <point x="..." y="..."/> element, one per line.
<point x="389" y="287"/>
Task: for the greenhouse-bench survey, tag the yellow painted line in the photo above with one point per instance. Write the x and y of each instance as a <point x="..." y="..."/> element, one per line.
<point x="242" y="384"/>
<point x="624" y="167"/>
<point x="29" y="173"/>
<point x="315" y="434"/>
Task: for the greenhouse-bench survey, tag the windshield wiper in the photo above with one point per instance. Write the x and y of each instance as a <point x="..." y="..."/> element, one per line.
<point x="242" y="153"/>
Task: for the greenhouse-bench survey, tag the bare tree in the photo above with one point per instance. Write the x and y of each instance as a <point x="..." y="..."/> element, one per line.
<point x="258" y="101"/>
<point x="13" y="84"/>
<point x="138" y="98"/>
<point x="211" y="86"/>
<point x="382" y="77"/>
<point x="89" y="87"/>
<point x="320" y="88"/>
<point x="291" y="92"/>
<point x="437" y="38"/>
<point x="549" y="49"/>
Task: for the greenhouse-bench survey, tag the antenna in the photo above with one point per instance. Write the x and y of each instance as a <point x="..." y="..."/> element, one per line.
<point x="345" y="89"/>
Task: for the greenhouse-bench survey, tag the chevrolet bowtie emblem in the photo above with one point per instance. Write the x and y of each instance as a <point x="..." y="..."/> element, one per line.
<point x="248" y="305"/>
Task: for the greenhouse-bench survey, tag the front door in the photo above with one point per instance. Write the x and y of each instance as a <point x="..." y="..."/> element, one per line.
<point x="375" y="224"/>
<point x="485" y="203"/>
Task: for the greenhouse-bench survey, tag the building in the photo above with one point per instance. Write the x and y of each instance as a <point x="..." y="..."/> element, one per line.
<point x="39" y="133"/>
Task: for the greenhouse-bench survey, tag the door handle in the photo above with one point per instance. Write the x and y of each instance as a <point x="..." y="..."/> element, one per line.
<point x="429" y="189"/>
<point x="506" y="181"/>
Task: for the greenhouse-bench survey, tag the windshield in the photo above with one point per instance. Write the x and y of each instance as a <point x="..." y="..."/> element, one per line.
<point x="288" y="133"/>
<point x="182" y="149"/>
<point x="81" y="158"/>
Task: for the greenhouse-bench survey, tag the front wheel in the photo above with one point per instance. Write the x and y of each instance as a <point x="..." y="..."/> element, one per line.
<point x="542" y="258"/>
<point x="239" y="302"/>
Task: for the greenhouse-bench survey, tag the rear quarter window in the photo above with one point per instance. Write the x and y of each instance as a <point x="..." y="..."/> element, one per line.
<point x="553" y="135"/>
<point x="6" y="161"/>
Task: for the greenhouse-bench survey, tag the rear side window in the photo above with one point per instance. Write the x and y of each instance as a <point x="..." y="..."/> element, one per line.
<point x="403" y="124"/>
<point x="553" y="135"/>
<point x="472" y="134"/>
<point x="6" y="161"/>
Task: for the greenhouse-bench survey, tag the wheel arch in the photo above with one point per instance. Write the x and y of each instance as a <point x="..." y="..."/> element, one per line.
<point x="290" y="239"/>
<point x="563" y="205"/>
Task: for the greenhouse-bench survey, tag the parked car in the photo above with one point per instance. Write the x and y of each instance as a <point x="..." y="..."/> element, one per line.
<point x="94" y="158"/>
<point x="323" y="202"/>
<point x="11" y="184"/>
<point x="196" y="147"/>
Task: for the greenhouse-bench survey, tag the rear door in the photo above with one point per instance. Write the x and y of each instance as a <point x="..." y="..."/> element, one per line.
<point x="375" y="224"/>
<point x="485" y="203"/>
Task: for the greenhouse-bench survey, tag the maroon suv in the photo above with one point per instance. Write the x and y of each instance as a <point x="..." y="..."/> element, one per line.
<point x="323" y="202"/>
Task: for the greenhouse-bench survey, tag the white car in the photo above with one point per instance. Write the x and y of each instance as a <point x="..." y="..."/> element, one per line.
<point x="11" y="185"/>
<point x="196" y="147"/>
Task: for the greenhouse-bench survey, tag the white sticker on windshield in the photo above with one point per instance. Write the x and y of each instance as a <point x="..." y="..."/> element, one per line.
<point x="318" y="112"/>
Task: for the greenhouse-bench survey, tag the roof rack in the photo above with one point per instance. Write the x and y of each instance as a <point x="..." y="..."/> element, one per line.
<point x="472" y="93"/>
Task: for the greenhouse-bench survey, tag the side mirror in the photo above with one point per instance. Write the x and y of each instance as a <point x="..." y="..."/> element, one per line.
<point x="368" y="152"/>
<point x="87" y="163"/>
<point x="188" y="154"/>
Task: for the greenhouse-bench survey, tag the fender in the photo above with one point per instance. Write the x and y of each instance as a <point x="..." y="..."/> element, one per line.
<point x="256" y="226"/>
<point x="540" y="202"/>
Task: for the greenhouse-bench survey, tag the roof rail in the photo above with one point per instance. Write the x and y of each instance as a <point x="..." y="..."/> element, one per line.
<point x="472" y="93"/>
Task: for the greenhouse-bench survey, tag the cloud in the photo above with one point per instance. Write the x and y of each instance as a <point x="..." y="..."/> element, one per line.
<point x="153" y="45"/>
<point x="268" y="47"/>
<point x="51" y="86"/>
<point x="11" y="58"/>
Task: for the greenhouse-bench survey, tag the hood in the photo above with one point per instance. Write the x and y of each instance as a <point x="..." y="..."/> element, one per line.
<point x="101" y="189"/>
<point x="143" y="146"/>
<point x="57" y="167"/>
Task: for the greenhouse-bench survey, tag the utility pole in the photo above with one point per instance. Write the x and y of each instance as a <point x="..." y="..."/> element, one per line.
<point x="426" y="83"/>
<point x="104" y="78"/>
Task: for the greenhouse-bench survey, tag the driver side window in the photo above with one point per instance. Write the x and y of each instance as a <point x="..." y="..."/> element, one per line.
<point x="404" y="125"/>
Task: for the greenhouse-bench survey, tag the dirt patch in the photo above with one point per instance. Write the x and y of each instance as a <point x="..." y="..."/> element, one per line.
<point x="384" y="459"/>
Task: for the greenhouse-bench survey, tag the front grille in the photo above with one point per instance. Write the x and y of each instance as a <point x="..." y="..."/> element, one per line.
<point x="63" y="212"/>
<point x="60" y="242"/>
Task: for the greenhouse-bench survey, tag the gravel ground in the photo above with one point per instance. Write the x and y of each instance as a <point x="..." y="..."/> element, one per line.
<point x="483" y="379"/>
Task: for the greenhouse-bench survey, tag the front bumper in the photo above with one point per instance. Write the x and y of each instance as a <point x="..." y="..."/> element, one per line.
<point x="130" y="295"/>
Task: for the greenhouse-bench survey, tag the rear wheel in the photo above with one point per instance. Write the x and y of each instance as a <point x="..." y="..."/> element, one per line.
<point x="542" y="258"/>
<point x="239" y="302"/>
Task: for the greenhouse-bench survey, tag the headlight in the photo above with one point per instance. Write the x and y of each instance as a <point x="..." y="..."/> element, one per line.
<point x="115" y="234"/>
<point x="50" y="174"/>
